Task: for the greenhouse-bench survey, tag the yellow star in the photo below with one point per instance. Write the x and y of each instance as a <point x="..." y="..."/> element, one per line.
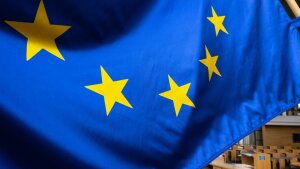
<point x="178" y="94"/>
<point x="217" y="21"/>
<point x="40" y="34"/>
<point x="210" y="63"/>
<point x="110" y="90"/>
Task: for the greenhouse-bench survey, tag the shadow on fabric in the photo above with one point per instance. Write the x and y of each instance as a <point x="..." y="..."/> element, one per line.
<point x="24" y="149"/>
<point x="92" y="22"/>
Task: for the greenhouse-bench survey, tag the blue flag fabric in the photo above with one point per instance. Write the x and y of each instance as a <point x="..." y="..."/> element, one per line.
<point x="140" y="84"/>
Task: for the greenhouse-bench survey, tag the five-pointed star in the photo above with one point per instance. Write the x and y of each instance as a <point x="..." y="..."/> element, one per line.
<point x="110" y="90"/>
<point x="217" y="21"/>
<point x="40" y="34"/>
<point x="178" y="94"/>
<point x="210" y="63"/>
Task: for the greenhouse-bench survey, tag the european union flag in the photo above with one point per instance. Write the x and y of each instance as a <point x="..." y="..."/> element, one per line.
<point x="140" y="84"/>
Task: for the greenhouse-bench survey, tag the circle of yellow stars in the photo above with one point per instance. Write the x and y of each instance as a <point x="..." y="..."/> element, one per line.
<point x="178" y="94"/>
<point x="41" y="35"/>
<point x="110" y="90"/>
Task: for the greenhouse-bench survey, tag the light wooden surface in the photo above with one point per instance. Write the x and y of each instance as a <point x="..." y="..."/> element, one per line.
<point x="280" y="136"/>
<point x="222" y="165"/>
<point x="247" y="157"/>
<point x="294" y="7"/>
<point x="262" y="161"/>
<point x="219" y="164"/>
<point x="295" y="164"/>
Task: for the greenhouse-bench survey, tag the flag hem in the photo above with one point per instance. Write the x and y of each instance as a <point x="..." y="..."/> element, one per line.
<point x="289" y="106"/>
<point x="296" y="22"/>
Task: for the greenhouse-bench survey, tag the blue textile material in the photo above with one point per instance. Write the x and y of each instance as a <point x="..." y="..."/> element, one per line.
<point x="48" y="119"/>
